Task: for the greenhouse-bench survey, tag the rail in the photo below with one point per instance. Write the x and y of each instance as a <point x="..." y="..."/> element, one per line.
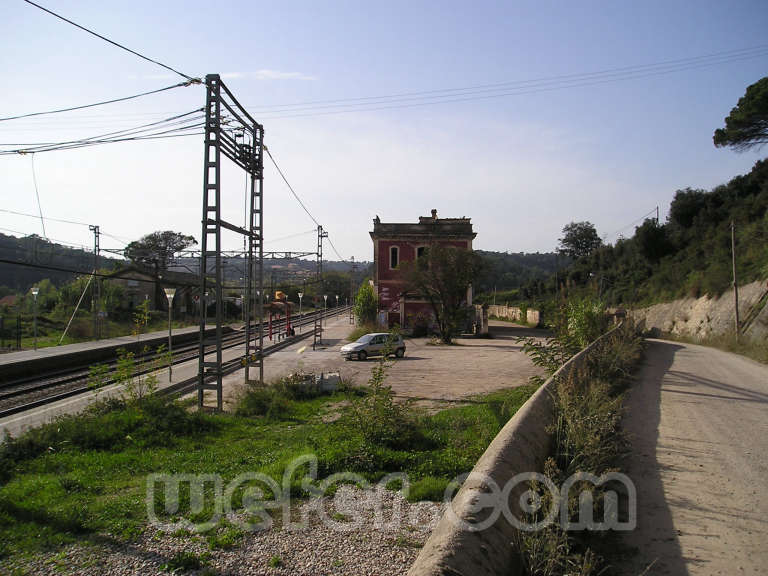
<point x="78" y="375"/>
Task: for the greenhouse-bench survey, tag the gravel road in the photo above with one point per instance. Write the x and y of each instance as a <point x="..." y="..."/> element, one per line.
<point x="699" y="428"/>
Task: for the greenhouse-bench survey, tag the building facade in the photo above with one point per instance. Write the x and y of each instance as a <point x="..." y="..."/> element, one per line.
<point x="395" y="243"/>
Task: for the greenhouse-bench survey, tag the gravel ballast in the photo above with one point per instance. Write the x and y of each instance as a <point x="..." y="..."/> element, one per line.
<point x="370" y="531"/>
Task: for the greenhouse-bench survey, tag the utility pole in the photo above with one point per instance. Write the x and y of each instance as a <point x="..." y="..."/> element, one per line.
<point x="657" y="215"/>
<point x="318" y="320"/>
<point x="735" y="284"/>
<point x="95" y="301"/>
<point x="352" y="292"/>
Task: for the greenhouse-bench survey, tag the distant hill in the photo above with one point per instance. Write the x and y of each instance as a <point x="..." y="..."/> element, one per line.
<point x="28" y="260"/>
<point x="504" y="271"/>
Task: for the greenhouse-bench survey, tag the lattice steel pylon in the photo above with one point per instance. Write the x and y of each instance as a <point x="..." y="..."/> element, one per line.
<point x="321" y="234"/>
<point x="224" y="116"/>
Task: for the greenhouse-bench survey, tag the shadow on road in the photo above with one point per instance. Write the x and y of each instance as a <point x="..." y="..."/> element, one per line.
<point x="655" y="538"/>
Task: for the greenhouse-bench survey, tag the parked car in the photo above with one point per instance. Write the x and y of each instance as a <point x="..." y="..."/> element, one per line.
<point x="374" y="344"/>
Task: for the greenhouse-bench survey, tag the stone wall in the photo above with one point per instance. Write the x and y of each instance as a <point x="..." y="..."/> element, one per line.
<point x="705" y="316"/>
<point x="513" y="313"/>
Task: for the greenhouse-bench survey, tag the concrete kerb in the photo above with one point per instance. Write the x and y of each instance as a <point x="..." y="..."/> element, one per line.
<point x="454" y="548"/>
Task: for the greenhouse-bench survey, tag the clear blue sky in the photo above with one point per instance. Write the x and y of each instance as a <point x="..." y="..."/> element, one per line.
<point x="521" y="166"/>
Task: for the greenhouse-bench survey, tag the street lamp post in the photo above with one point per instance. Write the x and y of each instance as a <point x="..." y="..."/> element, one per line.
<point x="337" y="301"/>
<point x="322" y="318"/>
<point x="301" y="295"/>
<point x="35" y="291"/>
<point x="169" y="293"/>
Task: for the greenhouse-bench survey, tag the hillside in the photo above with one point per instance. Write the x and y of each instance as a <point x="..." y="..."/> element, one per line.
<point x="690" y="254"/>
<point x="27" y="260"/>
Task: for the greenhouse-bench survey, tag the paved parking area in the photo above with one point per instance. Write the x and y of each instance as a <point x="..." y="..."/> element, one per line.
<point x="427" y="372"/>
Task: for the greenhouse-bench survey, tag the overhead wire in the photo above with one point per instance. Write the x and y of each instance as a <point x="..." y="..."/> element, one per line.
<point x="142" y="56"/>
<point x="290" y="187"/>
<point x="641" y="219"/>
<point x="37" y="194"/>
<point x="481" y="93"/>
<point x="296" y="196"/>
<point x="752" y="51"/>
<point x="102" y="103"/>
<point x="47" y="217"/>
<point x="182" y="122"/>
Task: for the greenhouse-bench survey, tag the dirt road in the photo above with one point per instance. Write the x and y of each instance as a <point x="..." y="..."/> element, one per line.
<point x="698" y="422"/>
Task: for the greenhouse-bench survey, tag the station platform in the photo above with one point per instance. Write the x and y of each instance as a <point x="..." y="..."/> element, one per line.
<point x="15" y="364"/>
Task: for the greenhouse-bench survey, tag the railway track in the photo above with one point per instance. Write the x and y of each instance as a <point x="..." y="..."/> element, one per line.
<point x="41" y="389"/>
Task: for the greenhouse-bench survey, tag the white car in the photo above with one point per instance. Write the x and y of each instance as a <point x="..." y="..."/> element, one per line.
<point x="374" y="344"/>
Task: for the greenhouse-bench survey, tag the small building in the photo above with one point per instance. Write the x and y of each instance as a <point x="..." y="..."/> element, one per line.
<point x="140" y="284"/>
<point x="394" y="243"/>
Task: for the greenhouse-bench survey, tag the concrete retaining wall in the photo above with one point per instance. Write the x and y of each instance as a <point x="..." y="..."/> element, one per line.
<point x="532" y="317"/>
<point x="454" y="548"/>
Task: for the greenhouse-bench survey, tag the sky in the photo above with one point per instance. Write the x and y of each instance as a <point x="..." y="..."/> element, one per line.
<point x="520" y="156"/>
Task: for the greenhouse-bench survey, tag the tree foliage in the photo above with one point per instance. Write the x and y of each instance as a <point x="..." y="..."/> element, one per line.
<point x="365" y="305"/>
<point x="442" y="277"/>
<point x="579" y="239"/>
<point x="155" y="250"/>
<point x="690" y="254"/>
<point x="747" y="124"/>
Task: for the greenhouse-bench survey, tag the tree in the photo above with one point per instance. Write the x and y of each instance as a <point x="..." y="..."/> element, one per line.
<point x="579" y="239"/>
<point x="442" y="277"/>
<point x="365" y="305"/>
<point x="156" y="250"/>
<point x="747" y="124"/>
<point x="652" y="240"/>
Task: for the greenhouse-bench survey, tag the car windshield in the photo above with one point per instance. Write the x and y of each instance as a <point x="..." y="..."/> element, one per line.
<point x="365" y="339"/>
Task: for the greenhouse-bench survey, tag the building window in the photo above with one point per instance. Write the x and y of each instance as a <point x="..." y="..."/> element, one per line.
<point x="394" y="257"/>
<point x="420" y="251"/>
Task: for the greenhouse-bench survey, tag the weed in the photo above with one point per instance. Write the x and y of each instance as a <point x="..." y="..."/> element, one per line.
<point x="225" y="537"/>
<point x="275" y="562"/>
<point x="405" y="542"/>
<point x="184" y="561"/>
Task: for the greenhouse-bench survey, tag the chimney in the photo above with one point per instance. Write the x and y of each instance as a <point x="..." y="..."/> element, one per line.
<point x="434" y="214"/>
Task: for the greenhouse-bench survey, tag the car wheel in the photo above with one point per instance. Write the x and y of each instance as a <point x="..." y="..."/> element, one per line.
<point x="400" y="352"/>
<point x="362" y="355"/>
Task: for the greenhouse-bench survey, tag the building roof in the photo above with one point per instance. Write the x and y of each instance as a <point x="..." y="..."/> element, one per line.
<point x="166" y="276"/>
<point x="427" y="227"/>
<point x="9" y="300"/>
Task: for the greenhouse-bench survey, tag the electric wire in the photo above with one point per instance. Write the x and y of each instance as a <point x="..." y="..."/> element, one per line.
<point x="47" y="217"/>
<point x="148" y="59"/>
<point x="273" y="240"/>
<point x="299" y="201"/>
<point x="641" y="219"/>
<point x="290" y="187"/>
<point x="754" y="51"/>
<point x="181" y="122"/>
<point x="482" y="94"/>
<point x="37" y="194"/>
<point x="123" y="99"/>
<point x="49" y="239"/>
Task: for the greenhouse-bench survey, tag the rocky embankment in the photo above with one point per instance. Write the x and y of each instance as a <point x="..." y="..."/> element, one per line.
<point x="706" y="317"/>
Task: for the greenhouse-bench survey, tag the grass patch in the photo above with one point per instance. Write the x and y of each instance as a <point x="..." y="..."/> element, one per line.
<point x="84" y="476"/>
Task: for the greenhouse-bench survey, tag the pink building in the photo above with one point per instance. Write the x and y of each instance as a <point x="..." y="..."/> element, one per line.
<point x="396" y="243"/>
